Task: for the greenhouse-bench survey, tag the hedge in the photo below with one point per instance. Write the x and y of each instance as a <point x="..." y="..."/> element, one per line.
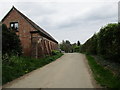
<point x="105" y="43"/>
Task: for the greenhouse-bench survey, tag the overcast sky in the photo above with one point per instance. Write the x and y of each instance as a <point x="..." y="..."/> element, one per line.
<point x="66" y="19"/>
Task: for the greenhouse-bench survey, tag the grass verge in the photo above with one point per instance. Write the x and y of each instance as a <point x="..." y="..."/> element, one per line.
<point x="102" y="75"/>
<point x="18" y="66"/>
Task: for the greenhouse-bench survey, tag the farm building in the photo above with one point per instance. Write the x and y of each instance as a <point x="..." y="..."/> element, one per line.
<point x="34" y="40"/>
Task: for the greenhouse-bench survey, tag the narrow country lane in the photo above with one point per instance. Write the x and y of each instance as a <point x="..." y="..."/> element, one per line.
<point x="69" y="71"/>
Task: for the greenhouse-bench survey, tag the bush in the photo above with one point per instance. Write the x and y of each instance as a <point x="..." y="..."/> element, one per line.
<point x="55" y="52"/>
<point x="10" y="42"/>
<point x="105" y="43"/>
<point x="76" y="49"/>
<point x="109" y="42"/>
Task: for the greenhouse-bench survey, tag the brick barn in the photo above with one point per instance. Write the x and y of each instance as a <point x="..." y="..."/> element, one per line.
<point x="34" y="40"/>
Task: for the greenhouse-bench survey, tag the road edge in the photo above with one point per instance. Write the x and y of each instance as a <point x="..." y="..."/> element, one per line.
<point x="94" y="82"/>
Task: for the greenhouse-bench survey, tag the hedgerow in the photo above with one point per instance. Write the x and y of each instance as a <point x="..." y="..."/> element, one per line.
<point x="105" y="43"/>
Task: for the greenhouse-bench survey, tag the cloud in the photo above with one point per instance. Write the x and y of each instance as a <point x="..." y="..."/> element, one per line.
<point x="65" y="20"/>
<point x="98" y="14"/>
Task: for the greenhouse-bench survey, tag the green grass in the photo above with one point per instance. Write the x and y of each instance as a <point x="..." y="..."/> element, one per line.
<point x="103" y="76"/>
<point x="18" y="66"/>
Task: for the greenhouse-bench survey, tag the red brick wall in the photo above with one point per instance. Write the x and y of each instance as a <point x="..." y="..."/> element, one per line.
<point x="30" y="45"/>
<point x="24" y="29"/>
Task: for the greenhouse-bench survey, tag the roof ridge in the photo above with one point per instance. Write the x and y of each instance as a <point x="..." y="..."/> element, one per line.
<point x="31" y="23"/>
<point x="34" y="24"/>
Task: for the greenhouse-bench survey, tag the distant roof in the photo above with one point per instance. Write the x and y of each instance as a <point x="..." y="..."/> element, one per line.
<point x="33" y="24"/>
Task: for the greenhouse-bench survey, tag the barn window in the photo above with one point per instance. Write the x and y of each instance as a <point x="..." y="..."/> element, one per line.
<point x="14" y="25"/>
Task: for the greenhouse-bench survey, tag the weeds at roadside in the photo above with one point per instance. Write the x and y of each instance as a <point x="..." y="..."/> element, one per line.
<point x="103" y="76"/>
<point x="18" y="66"/>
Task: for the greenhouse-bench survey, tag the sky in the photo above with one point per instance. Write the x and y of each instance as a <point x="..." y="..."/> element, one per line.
<point x="71" y="20"/>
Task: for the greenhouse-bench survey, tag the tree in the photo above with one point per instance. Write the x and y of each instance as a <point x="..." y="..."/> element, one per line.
<point x="10" y="42"/>
<point x="105" y="43"/>
<point x="66" y="46"/>
<point x="78" y="43"/>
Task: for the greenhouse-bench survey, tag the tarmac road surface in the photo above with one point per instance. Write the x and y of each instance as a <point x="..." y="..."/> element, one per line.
<point x="69" y="71"/>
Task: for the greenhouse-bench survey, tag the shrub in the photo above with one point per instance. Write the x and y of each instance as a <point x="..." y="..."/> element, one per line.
<point x="55" y="52"/>
<point x="105" y="43"/>
<point x="10" y="42"/>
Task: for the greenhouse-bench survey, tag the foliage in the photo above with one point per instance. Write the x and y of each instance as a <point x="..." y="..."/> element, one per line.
<point x="10" y="42"/>
<point x="90" y="45"/>
<point x="55" y="52"/>
<point x="69" y="48"/>
<point x="78" y="43"/>
<point x="102" y="75"/>
<point x="109" y="42"/>
<point x="66" y="46"/>
<point x="76" y="48"/>
<point x="105" y="43"/>
<point x="18" y="66"/>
